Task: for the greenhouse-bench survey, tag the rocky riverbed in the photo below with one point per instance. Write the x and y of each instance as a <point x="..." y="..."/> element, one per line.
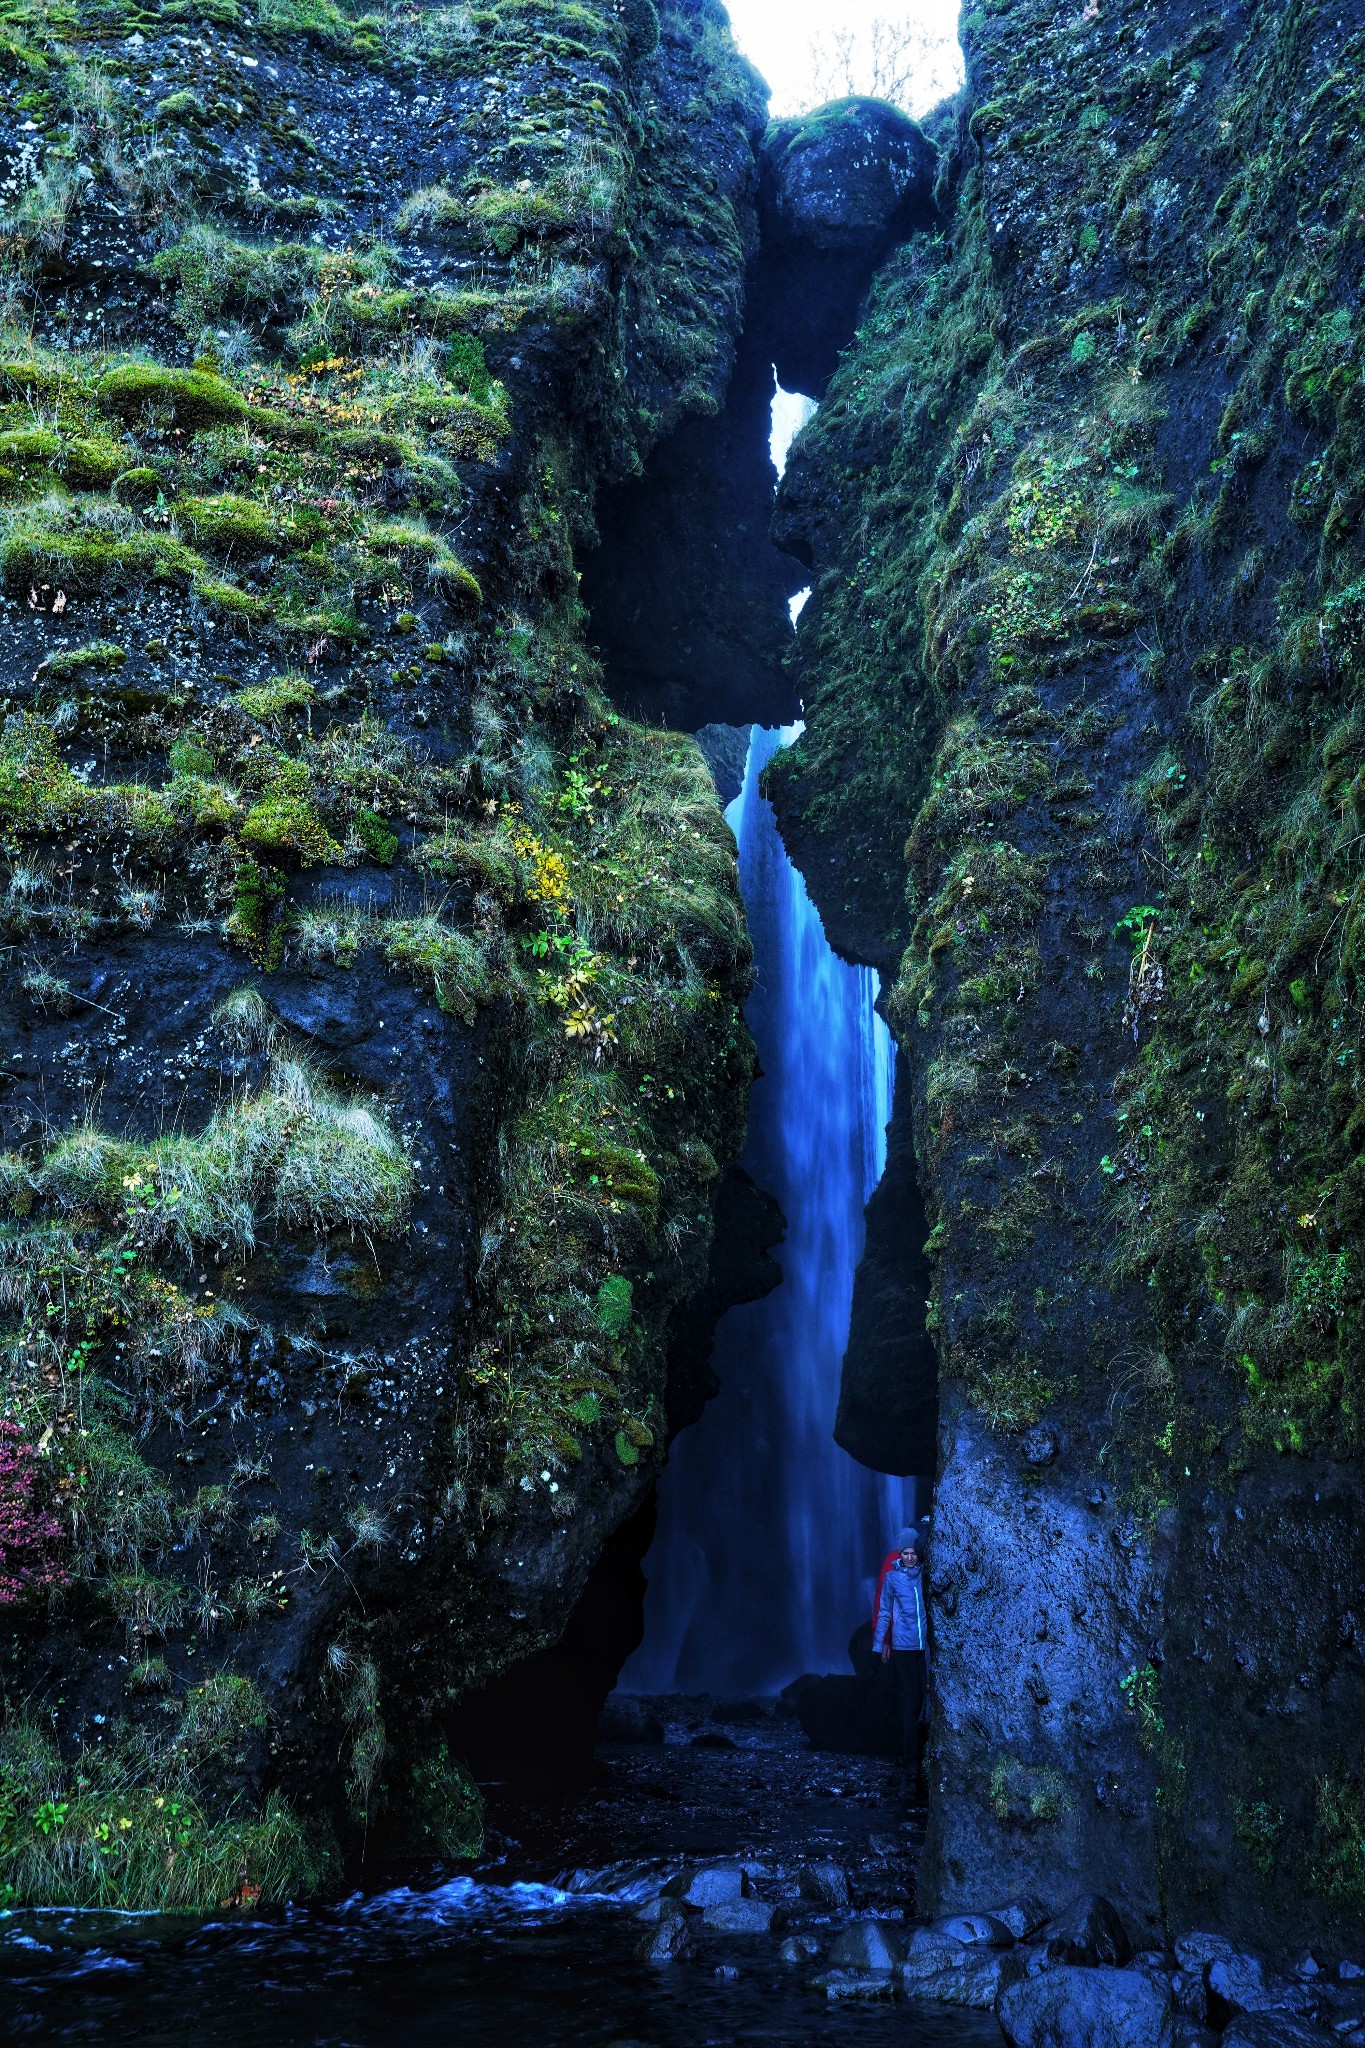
<point x="715" y="1880"/>
<point x="750" y="1860"/>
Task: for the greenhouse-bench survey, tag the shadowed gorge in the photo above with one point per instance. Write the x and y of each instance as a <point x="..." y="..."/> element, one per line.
<point x="488" y="836"/>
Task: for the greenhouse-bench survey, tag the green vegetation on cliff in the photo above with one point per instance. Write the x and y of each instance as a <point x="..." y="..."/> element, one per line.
<point x="1085" y="640"/>
<point x="385" y="987"/>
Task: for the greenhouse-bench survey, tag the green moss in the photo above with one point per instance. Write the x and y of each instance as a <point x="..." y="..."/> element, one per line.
<point x="97" y="656"/>
<point x="380" y="844"/>
<point x="189" y="755"/>
<point x="1027" y="1796"/>
<point x="489" y="861"/>
<point x="43" y="552"/>
<point x="615" y="1304"/>
<point x="255" y="922"/>
<point x="225" y="601"/>
<point x="139" y="486"/>
<point x="231" y="525"/>
<point x="453" y="964"/>
<point x="277" y="698"/>
<point x="286" y="826"/>
<point x="180" y="106"/>
<point x="213" y="274"/>
<point x="91" y="463"/>
<point x="193" y="398"/>
<point x="38" y="792"/>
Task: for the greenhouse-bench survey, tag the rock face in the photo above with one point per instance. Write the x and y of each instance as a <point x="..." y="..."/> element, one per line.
<point x="687" y="591"/>
<point x="1074" y="2008"/>
<point x="888" y="1389"/>
<point x="1081" y="512"/>
<point x="371" y="1056"/>
<point x="838" y="188"/>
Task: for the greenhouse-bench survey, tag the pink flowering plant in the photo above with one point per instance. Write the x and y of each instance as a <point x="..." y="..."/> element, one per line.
<point x="29" y="1537"/>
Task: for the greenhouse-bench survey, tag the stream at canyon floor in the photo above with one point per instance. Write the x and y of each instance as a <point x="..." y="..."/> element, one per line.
<point x="538" y="1944"/>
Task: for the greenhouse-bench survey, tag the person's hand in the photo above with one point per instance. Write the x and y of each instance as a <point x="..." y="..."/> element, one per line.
<point x="886" y="1652"/>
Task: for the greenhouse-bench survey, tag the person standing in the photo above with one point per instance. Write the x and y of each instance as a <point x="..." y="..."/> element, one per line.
<point x="902" y="1637"/>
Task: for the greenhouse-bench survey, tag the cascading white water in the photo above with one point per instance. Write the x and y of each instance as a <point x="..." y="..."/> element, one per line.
<point x="769" y="1534"/>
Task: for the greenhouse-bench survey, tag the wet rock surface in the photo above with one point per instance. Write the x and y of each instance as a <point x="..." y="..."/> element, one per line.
<point x="1072" y="2007"/>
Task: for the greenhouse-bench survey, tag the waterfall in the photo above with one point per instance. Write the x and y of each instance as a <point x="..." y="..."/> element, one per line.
<point x="769" y="1534"/>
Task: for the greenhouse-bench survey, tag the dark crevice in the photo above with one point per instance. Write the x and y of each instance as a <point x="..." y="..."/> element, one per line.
<point x="888" y="1396"/>
<point x="688" y="596"/>
<point x="687" y="592"/>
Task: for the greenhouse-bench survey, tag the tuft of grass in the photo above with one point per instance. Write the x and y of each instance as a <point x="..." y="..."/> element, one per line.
<point x="96" y="655"/>
<point x="49" y="992"/>
<point x="333" y="935"/>
<point x="453" y="964"/>
<point x="276" y="698"/>
<point x="246" y="1020"/>
<point x="295" y="1152"/>
<point x="128" y="1829"/>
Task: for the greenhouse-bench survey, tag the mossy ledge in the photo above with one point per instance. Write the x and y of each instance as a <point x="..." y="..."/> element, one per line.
<point x="1082" y="774"/>
<point x="373" y="989"/>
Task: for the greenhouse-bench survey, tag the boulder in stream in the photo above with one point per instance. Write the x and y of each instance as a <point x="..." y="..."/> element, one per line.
<point x="870" y="1945"/>
<point x="825" y="1884"/>
<point x="715" y="1884"/>
<point x="1273" y="2030"/>
<point x="671" y="1940"/>
<point x="741" y="1916"/>
<point x="976" y="1930"/>
<point x="1083" y="2007"/>
<point x="1023" y="1916"/>
<point x="1088" y="1931"/>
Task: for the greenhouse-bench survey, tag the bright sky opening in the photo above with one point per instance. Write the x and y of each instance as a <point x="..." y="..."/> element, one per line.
<point x="810" y="51"/>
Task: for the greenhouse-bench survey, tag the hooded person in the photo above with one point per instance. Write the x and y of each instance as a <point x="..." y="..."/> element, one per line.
<point x="901" y="1636"/>
<point x="891" y="1556"/>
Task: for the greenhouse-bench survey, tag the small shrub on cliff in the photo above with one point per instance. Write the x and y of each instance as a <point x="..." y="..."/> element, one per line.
<point x="29" y="1538"/>
<point x="1027" y="1795"/>
<point x="446" y="1806"/>
<point x="1337" y="1863"/>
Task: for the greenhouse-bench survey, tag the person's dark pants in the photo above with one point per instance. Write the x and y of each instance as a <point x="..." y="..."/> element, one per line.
<point x="909" y="1669"/>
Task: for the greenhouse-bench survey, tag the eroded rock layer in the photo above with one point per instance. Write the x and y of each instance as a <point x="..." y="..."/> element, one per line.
<point x="1081" y="773"/>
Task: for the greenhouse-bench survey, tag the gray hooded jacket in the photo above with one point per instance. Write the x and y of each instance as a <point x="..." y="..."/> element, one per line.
<point x="900" y="1612"/>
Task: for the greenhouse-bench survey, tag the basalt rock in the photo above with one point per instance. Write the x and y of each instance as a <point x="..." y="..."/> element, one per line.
<point x="962" y="1975"/>
<point x="1273" y="2030"/>
<point x="1086" y="2008"/>
<point x="997" y="764"/>
<point x="341" y="1278"/>
<point x="838" y="188"/>
<point x="1088" y="1931"/>
<point x="869" y="1945"/>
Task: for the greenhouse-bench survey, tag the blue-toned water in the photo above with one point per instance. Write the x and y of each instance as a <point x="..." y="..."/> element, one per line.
<point x="769" y="1534"/>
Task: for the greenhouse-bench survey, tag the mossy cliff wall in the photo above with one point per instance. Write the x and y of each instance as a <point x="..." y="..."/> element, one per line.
<point x="1083" y="774"/>
<point x="371" y="1042"/>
